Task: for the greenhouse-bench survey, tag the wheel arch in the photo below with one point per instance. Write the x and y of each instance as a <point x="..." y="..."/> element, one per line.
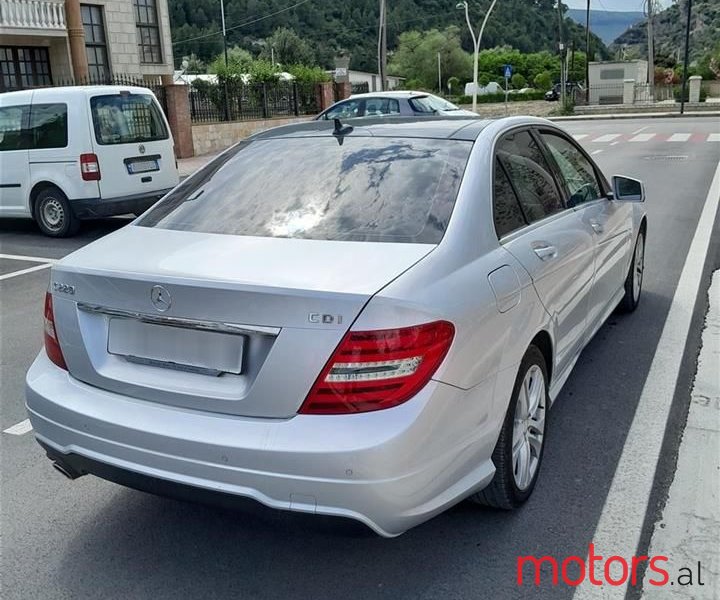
<point x="39" y="187"/>
<point x="543" y="342"/>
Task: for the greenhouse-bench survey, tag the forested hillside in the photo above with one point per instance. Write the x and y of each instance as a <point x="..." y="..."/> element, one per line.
<point x="608" y="24"/>
<point x="670" y="32"/>
<point x="331" y="26"/>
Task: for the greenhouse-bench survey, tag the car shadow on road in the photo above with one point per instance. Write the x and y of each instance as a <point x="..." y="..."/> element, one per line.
<point x="142" y="546"/>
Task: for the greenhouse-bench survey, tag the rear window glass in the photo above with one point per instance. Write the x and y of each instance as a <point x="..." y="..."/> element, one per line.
<point x="127" y="119"/>
<point x="363" y="189"/>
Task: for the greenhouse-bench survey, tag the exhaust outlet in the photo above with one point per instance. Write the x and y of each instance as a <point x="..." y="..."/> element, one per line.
<point x="66" y="470"/>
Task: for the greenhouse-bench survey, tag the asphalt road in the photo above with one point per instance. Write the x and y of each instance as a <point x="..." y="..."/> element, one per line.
<point x="92" y="539"/>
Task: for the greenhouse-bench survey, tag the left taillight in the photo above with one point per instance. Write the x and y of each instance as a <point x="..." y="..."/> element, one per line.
<point x="90" y="167"/>
<point x="52" y="346"/>
<point x="373" y="370"/>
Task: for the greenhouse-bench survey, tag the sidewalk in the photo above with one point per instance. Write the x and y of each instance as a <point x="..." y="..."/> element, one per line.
<point x="689" y="532"/>
<point x="187" y="166"/>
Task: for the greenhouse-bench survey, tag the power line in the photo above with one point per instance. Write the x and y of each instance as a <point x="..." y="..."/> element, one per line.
<point x="243" y="24"/>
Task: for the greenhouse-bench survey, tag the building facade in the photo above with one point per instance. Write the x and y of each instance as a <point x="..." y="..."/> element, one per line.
<point x="607" y="79"/>
<point x="54" y="42"/>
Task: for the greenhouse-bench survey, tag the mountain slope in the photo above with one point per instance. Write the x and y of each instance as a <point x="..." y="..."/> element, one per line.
<point x="670" y="31"/>
<point x="332" y="26"/>
<point x="607" y="24"/>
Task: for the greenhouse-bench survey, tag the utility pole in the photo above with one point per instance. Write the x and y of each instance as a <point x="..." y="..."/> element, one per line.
<point x="382" y="45"/>
<point x="440" y="88"/>
<point x="651" y="46"/>
<point x="225" y="86"/>
<point x="587" y="49"/>
<point x="687" y="57"/>
<point x="561" y="46"/>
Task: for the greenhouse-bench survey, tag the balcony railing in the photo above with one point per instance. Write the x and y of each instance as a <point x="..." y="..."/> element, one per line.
<point x="32" y="14"/>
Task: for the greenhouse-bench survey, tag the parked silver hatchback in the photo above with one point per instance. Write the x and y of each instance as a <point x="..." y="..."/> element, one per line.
<point x="369" y="322"/>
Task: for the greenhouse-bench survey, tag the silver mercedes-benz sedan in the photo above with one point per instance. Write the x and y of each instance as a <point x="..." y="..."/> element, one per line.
<point x="369" y="321"/>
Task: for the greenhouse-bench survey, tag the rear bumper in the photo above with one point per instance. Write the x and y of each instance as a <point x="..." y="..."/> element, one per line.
<point x="391" y="469"/>
<point x="91" y="208"/>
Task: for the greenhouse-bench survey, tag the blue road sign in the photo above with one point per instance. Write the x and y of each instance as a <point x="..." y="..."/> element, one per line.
<point x="507" y="71"/>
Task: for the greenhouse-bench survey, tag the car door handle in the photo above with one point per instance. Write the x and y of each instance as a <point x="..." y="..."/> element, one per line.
<point x="597" y="227"/>
<point x="544" y="250"/>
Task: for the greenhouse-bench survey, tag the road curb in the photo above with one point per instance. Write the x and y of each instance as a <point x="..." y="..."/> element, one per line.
<point x="610" y="117"/>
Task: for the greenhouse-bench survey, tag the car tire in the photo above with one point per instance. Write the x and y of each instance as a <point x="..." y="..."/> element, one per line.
<point x="54" y="215"/>
<point x="519" y="450"/>
<point x="634" y="279"/>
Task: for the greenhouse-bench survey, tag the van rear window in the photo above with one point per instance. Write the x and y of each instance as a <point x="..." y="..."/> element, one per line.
<point x="127" y="119"/>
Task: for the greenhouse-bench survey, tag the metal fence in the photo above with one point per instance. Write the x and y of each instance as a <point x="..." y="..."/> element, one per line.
<point x="235" y="101"/>
<point x="650" y="94"/>
<point x="360" y="88"/>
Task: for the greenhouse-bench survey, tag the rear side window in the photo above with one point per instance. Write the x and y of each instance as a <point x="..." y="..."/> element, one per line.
<point x="39" y="127"/>
<point x="530" y="176"/>
<point x="322" y="188"/>
<point x="14" y="129"/>
<point x="381" y="106"/>
<point x="507" y="214"/>
<point x="49" y="126"/>
<point x="127" y="119"/>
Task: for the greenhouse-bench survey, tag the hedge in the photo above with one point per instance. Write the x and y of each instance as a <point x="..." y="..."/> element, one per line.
<point x="500" y="97"/>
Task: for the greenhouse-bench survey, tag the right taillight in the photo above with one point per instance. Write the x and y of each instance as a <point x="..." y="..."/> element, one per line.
<point x="52" y="346"/>
<point x="373" y="370"/>
<point x="90" y="167"/>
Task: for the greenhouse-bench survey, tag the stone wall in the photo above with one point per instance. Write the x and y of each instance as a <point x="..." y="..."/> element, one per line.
<point x="213" y="137"/>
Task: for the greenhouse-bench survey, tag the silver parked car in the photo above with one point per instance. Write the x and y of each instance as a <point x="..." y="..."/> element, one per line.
<point x="393" y="104"/>
<point x="369" y="322"/>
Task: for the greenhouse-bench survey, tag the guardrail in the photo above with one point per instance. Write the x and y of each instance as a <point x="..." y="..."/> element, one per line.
<point x="32" y="14"/>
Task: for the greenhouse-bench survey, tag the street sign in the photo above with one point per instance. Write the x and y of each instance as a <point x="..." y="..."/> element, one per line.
<point x="507" y="71"/>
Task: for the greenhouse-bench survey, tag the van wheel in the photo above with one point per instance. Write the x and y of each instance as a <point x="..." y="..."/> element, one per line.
<point x="519" y="450"/>
<point x="54" y="215"/>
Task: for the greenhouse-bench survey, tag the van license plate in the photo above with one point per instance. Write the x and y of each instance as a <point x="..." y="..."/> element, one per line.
<point x="142" y="166"/>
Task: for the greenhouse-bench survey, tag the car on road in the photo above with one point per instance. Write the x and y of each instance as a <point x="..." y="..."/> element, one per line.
<point x="571" y="88"/>
<point x="368" y="321"/>
<point x="72" y="153"/>
<point x="393" y="103"/>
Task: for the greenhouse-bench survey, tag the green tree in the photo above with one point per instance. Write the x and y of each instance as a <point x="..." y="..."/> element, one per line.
<point x="518" y="81"/>
<point x="543" y="81"/>
<point x="238" y="63"/>
<point x="194" y="65"/>
<point x="305" y="74"/>
<point x="288" y="48"/>
<point x="453" y="84"/>
<point x="417" y="56"/>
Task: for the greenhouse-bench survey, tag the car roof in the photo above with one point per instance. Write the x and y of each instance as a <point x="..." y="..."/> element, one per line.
<point x="89" y="90"/>
<point x="391" y="94"/>
<point x="435" y="127"/>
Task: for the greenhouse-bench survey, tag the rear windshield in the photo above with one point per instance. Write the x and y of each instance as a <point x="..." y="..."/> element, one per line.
<point x="127" y="119"/>
<point x="322" y="188"/>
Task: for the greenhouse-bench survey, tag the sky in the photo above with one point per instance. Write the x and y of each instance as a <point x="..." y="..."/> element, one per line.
<point x="621" y="5"/>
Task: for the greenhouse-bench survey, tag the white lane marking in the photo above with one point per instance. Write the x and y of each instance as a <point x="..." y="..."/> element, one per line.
<point x="24" y="271"/>
<point x="580" y="136"/>
<point x="620" y="525"/>
<point x="20" y="428"/>
<point x="679" y="137"/>
<point x="608" y="137"/>
<point x="28" y="258"/>
<point x="714" y="137"/>
<point x="614" y="143"/>
<point x="594" y="152"/>
<point x="640" y="130"/>
<point x="642" y="137"/>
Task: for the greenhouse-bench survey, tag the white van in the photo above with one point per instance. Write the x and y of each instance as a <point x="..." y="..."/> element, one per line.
<point x="72" y="153"/>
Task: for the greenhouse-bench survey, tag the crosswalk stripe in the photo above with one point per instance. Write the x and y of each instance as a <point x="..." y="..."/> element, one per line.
<point x="580" y="136"/>
<point x="609" y="137"/>
<point x="714" y="137"/>
<point x="679" y="137"/>
<point x="20" y="428"/>
<point x="642" y="137"/>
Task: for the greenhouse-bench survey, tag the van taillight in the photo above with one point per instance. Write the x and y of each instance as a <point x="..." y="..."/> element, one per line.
<point x="52" y="346"/>
<point x="89" y="167"/>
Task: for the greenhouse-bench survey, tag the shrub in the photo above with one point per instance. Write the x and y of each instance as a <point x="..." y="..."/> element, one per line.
<point x="677" y="92"/>
<point x="543" y="81"/>
<point x="304" y="74"/>
<point x="493" y="98"/>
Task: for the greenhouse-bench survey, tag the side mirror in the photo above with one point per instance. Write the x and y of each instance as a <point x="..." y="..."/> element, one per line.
<point x="627" y="189"/>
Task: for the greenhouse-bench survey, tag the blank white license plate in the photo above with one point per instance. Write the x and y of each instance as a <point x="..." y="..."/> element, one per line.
<point x="142" y="166"/>
<point x="173" y="347"/>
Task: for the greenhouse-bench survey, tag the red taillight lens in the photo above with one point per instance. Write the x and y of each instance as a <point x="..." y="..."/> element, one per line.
<point x="52" y="346"/>
<point x="372" y="370"/>
<point x="89" y="167"/>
